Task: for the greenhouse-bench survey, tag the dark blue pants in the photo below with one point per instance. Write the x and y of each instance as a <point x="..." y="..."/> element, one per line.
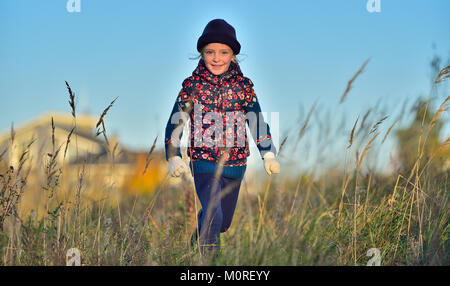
<point x="218" y="197"/>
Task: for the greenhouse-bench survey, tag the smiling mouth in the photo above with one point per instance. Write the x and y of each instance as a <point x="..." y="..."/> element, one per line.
<point x="216" y="67"/>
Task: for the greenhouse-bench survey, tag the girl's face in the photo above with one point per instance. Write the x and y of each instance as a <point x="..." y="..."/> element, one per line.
<point x="217" y="57"/>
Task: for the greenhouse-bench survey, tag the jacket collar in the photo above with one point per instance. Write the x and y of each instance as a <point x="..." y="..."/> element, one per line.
<point x="202" y="71"/>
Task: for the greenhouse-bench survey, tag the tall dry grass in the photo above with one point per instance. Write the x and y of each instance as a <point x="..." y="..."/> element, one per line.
<point x="314" y="217"/>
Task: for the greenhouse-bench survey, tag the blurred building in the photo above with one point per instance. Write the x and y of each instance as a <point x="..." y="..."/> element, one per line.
<point x="73" y="144"/>
<point x="83" y="142"/>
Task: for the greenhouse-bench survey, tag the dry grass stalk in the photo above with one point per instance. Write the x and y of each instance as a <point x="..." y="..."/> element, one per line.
<point x="77" y="224"/>
<point x="113" y="153"/>
<point x="306" y="201"/>
<point x="356" y="187"/>
<point x="68" y="141"/>
<point x="148" y="159"/>
<point x="341" y="204"/>
<point x="72" y="106"/>
<point x="294" y="199"/>
<point x="367" y="198"/>
<point x="375" y="127"/>
<point x="71" y="99"/>
<point x="279" y="150"/>
<point x="104" y="135"/>
<point x="441" y="109"/>
<point x="350" y="82"/>
<point x="12" y="188"/>
<point x="189" y="205"/>
<point x="100" y="121"/>
<point x="149" y="215"/>
<point x="303" y="129"/>
<point x="403" y="110"/>
<point x="390" y="128"/>
<point x="22" y="157"/>
<point x="365" y="152"/>
<point x="12" y="134"/>
<point x="363" y="122"/>
<point x="351" y="134"/>
<point x="443" y="74"/>
<point x="392" y="200"/>
<point x="262" y="207"/>
<point x="50" y="169"/>
<point x="105" y="111"/>
<point x="401" y="223"/>
<point x="425" y="111"/>
<point x="53" y="136"/>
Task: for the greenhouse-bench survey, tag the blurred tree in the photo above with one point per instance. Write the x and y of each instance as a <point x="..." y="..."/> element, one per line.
<point x="417" y="136"/>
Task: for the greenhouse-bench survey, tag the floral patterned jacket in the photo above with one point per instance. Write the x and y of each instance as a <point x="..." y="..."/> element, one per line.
<point x="218" y="106"/>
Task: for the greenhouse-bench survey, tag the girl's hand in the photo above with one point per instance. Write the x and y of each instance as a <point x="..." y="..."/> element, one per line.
<point x="271" y="164"/>
<point x="177" y="166"/>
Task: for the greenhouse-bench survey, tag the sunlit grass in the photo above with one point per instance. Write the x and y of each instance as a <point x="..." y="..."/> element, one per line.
<point x="330" y="218"/>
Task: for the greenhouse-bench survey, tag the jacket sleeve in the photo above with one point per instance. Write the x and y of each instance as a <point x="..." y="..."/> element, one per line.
<point x="177" y="119"/>
<point x="259" y="129"/>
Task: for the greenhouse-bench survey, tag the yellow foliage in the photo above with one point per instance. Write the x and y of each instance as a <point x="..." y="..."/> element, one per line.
<point x="140" y="182"/>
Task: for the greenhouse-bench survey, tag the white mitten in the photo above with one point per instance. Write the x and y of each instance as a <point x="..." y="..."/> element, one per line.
<point x="177" y="166"/>
<point x="271" y="164"/>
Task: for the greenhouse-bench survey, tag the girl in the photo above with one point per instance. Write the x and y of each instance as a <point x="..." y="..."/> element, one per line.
<point x="215" y="97"/>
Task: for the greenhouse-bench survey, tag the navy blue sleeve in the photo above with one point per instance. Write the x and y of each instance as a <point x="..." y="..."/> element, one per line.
<point x="259" y="129"/>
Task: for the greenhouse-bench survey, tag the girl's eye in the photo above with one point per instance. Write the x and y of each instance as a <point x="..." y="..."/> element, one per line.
<point x="211" y="52"/>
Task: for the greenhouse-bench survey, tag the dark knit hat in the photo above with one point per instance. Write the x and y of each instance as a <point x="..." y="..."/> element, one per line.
<point x="219" y="31"/>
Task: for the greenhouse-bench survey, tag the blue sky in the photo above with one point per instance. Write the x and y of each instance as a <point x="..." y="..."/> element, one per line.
<point x="295" y="52"/>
